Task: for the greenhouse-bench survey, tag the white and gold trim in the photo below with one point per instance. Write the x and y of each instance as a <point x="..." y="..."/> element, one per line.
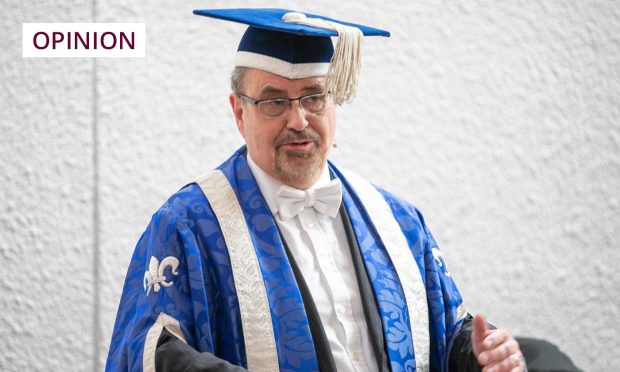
<point x="260" y="344"/>
<point x="461" y="313"/>
<point x="406" y="267"/>
<point x="280" y="67"/>
<point x="150" y="343"/>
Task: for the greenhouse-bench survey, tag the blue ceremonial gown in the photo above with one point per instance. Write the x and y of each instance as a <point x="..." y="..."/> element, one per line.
<point x="197" y="287"/>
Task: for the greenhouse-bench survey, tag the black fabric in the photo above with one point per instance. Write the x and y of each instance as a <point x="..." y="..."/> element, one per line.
<point x="369" y="302"/>
<point x="543" y="356"/>
<point x="174" y="355"/>
<point x="321" y="344"/>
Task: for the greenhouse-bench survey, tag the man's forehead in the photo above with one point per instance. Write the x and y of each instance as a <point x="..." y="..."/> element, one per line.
<point x="266" y="82"/>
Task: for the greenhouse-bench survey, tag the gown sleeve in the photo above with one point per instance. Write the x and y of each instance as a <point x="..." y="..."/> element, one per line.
<point x="158" y="304"/>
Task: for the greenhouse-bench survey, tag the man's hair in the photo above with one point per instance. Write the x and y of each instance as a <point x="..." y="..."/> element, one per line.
<point x="236" y="79"/>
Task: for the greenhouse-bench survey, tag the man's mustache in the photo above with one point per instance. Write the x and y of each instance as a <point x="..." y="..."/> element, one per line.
<point x="297" y="137"/>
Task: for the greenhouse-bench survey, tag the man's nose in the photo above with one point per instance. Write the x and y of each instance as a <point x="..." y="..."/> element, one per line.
<point x="296" y="117"/>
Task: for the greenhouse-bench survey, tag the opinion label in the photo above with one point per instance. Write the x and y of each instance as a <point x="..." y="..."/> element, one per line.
<point x="112" y="40"/>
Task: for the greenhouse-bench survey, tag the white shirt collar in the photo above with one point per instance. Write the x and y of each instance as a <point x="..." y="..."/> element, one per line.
<point x="269" y="186"/>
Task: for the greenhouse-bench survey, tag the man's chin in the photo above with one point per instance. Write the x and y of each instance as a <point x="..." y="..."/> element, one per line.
<point x="299" y="168"/>
<point x="298" y="155"/>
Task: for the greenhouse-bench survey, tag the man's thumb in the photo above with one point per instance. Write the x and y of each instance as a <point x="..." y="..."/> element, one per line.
<point x="480" y="329"/>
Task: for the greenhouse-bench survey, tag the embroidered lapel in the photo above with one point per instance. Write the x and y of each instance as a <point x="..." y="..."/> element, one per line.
<point x="293" y="337"/>
<point x="399" y="291"/>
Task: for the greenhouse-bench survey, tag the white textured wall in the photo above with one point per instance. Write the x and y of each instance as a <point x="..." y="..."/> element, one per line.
<point x="500" y="120"/>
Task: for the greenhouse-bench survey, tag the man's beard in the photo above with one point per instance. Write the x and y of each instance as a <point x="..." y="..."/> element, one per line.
<point x="298" y="167"/>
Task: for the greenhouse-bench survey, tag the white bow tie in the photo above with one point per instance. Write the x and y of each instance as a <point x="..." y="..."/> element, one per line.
<point x="325" y="199"/>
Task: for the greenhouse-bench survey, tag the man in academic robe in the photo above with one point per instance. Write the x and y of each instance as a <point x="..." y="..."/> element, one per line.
<point x="278" y="259"/>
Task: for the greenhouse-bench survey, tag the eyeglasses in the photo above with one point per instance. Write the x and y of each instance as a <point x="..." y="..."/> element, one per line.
<point x="277" y="107"/>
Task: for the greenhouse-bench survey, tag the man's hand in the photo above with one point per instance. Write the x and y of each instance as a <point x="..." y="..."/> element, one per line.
<point x="495" y="349"/>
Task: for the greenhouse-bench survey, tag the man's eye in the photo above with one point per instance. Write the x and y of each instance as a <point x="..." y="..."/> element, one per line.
<point x="275" y="102"/>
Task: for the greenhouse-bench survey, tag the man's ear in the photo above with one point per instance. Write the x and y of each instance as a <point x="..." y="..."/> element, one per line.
<point x="237" y="108"/>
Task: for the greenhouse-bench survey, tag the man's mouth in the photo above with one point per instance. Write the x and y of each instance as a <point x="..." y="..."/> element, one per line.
<point x="298" y="145"/>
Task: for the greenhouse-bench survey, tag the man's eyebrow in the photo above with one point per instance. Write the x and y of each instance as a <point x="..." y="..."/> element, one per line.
<point x="317" y="87"/>
<point x="271" y="90"/>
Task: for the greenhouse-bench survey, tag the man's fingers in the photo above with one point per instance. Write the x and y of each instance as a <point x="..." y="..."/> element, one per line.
<point x="496" y="350"/>
<point x="495" y="338"/>
<point x="515" y="363"/>
<point x="503" y="351"/>
<point x="499" y="352"/>
<point x="520" y="368"/>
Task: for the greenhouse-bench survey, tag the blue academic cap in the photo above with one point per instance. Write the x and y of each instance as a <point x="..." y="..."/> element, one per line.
<point x="298" y="45"/>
